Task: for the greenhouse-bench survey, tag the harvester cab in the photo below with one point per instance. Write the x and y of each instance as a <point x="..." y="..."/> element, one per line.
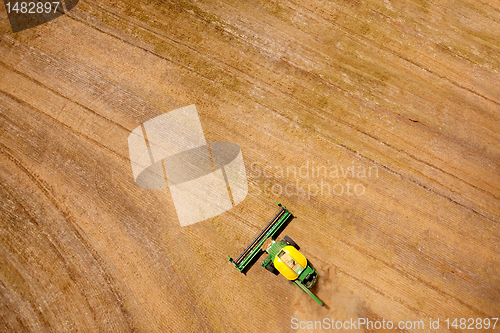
<point x="282" y="256"/>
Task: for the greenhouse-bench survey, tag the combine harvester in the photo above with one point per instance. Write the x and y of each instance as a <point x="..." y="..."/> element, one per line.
<point x="283" y="256"/>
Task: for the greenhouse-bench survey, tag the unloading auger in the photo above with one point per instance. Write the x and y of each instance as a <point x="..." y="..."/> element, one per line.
<point x="283" y="256"/>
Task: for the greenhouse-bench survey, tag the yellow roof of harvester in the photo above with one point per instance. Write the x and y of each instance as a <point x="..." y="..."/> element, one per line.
<point x="289" y="262"/>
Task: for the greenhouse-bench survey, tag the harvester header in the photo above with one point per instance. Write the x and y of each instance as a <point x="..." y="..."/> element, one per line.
<point x="270" y="231"/>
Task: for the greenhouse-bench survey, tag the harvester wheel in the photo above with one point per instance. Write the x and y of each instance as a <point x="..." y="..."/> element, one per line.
<point x="270" y="267"/>
<point x="290" y="241"/>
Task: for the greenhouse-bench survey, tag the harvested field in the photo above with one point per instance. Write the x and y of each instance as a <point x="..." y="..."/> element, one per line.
<point x="377" y="123"/>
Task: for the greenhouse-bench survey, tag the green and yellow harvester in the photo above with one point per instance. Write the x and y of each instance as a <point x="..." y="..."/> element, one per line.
<point x="283" y="256"/>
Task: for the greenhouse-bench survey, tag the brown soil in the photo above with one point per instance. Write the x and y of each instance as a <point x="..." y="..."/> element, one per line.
<point x="406" y="92"/>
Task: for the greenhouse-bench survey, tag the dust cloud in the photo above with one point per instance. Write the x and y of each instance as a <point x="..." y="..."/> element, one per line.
<point x="341" y="304"/>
